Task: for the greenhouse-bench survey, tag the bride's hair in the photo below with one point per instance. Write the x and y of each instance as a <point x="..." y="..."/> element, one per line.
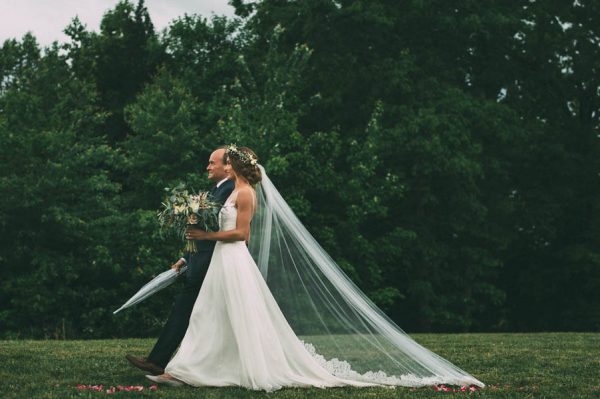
<point x="244" y="163"/>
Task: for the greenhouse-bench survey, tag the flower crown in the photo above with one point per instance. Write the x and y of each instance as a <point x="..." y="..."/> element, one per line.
<point x="246" y="158"/>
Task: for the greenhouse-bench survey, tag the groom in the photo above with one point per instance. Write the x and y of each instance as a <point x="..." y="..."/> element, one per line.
<point x="176" y="326"/>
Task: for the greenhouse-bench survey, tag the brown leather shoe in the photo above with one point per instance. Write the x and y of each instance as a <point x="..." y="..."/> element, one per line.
<point x="143" y="364"/>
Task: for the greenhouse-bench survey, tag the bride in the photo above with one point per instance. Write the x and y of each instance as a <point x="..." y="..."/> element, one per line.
<point x="255" y="300"/>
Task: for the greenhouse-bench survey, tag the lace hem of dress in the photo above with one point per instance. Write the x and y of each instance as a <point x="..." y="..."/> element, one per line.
<point x="343" y="369"/>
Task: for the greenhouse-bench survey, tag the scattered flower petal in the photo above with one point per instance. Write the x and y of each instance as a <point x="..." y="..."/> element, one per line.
<point x="118" y="388"/>
<point x="444" y="388"/>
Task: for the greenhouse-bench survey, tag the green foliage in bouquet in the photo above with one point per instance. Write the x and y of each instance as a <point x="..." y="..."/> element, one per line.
<point x="182" y="208"/>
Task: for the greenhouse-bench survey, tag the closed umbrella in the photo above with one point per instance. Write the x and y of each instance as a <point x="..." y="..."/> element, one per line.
<point x="156" y="284"/>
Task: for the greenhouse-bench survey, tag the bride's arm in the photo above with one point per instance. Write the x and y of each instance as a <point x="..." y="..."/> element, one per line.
<point x="242" y="228"/>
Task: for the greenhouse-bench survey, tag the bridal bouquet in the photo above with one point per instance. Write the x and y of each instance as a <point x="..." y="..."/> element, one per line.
<point x="182" y="209"/>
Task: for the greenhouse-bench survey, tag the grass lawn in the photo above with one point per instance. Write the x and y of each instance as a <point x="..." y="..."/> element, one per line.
<point x="545" y="365"/>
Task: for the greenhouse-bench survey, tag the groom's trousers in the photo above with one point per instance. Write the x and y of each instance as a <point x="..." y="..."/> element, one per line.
<point x="176" y="326"/>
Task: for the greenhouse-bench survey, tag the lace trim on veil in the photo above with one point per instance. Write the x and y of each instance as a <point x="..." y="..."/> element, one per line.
<point x="343" y="369"/>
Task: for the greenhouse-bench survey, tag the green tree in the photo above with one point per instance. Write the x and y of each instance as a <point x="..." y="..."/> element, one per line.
<point x="554" y="261"/>
<point x="120" y="59"/>
<point x="55" y="190"/>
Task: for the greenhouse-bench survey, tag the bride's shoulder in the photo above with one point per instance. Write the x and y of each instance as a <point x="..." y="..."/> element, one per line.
<point x="245" y="195"/>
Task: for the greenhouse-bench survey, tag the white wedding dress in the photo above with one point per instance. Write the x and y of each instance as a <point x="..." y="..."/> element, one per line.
<point x="237" y="335"/>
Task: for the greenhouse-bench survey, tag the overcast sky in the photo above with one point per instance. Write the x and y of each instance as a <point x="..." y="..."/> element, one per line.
<point x="46" y="19"/>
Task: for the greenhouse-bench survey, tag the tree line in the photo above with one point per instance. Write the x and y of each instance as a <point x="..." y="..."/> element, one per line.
<point x="446" y="155"/>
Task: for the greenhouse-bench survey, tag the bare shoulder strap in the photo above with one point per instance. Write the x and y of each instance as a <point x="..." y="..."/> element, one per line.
<point x="253" y="198"/>
<point x="232" y="198"/>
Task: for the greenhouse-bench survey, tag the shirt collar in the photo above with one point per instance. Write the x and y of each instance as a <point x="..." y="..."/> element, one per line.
<point x="222" y="181"/>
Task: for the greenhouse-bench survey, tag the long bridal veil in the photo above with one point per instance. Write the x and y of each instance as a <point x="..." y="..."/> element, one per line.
<point x="343" y="329"/>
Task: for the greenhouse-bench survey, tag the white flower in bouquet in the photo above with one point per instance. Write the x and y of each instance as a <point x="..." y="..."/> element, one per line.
<point x="182" y="208"/>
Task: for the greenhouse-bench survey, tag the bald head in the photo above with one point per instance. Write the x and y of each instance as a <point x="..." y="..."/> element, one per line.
<point x="216" y="166"/>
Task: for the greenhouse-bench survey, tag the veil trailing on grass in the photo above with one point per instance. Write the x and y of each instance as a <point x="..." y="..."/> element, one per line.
<point x="340" y="326"/>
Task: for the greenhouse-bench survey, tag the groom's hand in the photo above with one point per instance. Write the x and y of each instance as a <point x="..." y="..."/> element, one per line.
<point x="177" y="265"/>
<point x="193" y="233"/>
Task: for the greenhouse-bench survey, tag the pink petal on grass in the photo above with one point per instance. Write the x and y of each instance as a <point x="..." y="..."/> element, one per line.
<point x="444" y="388"/>
<point x="112" y="389"/>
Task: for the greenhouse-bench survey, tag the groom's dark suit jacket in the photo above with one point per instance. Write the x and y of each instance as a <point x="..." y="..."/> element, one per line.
<point x="197" y="262"/>
<point x="174" y="330"/>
